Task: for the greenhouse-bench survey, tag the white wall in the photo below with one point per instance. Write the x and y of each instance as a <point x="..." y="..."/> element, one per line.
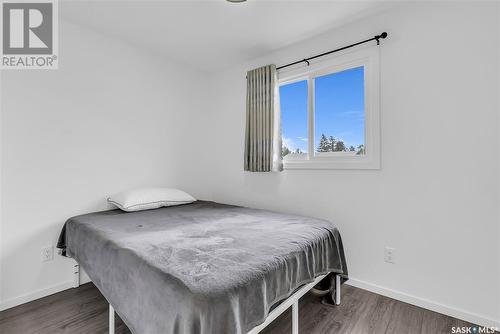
<point x="436" y="196"/>
<point x="108" y="119"/>
<point x="498" y="95"/>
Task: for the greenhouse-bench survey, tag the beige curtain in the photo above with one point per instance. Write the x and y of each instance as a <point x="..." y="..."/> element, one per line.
<point x="263" y="125"/>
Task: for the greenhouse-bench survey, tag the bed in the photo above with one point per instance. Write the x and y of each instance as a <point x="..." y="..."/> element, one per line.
<point x="203" y="267"/>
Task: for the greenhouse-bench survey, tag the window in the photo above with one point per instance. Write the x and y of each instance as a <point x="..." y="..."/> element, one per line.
<point x="293" y="106"/>
<point x="330" y="113"/>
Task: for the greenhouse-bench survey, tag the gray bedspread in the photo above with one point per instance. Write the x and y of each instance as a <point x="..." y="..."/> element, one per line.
<point x="202" y="267"/>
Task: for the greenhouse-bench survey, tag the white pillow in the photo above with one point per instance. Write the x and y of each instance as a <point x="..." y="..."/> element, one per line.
<point x="149" y="198"/>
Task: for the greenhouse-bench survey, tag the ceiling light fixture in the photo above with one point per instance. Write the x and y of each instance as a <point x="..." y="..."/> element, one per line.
<point x="236" y="1"/>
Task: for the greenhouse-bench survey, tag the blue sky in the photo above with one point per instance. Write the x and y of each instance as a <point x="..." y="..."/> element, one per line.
<point x="339" y="109"/>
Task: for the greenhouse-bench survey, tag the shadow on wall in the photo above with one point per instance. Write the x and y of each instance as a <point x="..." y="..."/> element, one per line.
<point x="263" y="183"/>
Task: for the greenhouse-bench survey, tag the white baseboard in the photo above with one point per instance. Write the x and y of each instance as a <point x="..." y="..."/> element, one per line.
<point x="424" y="303"/>
<point x="5" y="304"/>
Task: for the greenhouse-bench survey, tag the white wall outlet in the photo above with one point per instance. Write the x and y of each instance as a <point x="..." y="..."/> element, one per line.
<point x="389" y="255"/>
<point x="47" y="253"/>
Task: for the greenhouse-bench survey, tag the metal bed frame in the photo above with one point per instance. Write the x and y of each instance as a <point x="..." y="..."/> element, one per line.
<point x="292" y="301"/>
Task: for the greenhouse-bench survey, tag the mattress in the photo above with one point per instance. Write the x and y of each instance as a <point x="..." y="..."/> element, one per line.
<point x="203" y="267"/>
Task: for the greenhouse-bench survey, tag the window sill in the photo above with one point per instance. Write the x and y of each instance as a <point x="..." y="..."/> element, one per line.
<point x="354" y="163"/>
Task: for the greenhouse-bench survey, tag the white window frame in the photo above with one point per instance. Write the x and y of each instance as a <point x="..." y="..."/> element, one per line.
<point x="369" y="58"/>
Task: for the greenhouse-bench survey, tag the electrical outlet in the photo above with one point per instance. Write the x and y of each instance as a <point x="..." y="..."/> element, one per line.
<point x="389" y="255"/>
<point x="47" y="253"/>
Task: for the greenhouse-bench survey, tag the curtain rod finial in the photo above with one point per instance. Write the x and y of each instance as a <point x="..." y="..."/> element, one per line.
<point x="378" y="37"/>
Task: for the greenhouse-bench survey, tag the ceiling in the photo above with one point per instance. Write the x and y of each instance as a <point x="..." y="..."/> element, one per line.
<point x="214" y="34"/>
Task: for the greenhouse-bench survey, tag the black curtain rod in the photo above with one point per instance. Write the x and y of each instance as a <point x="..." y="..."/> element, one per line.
<point x="306" y="60"/>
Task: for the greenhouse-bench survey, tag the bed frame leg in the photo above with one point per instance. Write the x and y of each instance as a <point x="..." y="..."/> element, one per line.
<point x="337" y="289"/>
<point x="295" y="317"/>
<point x="111" y="320"/>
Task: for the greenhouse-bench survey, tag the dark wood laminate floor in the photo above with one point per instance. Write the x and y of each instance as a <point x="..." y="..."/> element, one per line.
<point x="84" y="310"/>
